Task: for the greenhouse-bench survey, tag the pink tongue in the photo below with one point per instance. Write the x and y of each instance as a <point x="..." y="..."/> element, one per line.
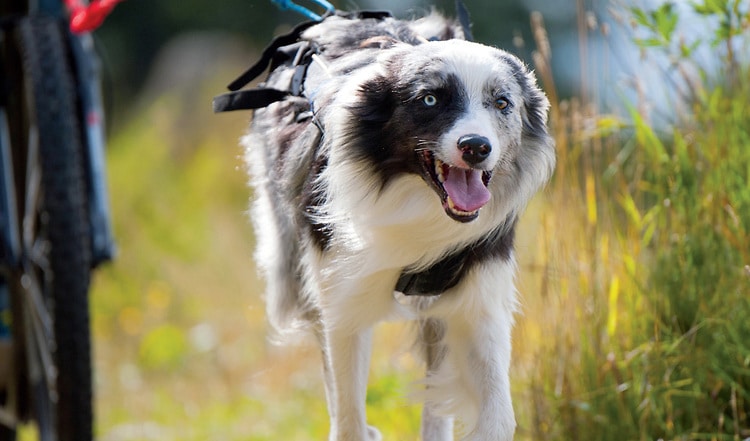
<point x="466" y="189"/>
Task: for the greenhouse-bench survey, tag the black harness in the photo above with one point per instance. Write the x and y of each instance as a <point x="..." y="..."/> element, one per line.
<point x="290" y="51"/>
<point x="284" y="49"/>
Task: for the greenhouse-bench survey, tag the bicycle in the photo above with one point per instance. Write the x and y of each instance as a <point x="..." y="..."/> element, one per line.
<point x="54" y="218"/>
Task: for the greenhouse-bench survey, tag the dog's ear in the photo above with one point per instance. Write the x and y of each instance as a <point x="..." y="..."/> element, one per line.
<point x="536" y="106"/>
<point x="535" y="102"/>
<point x="436" y="27"/>
<point x="535" y="137"/>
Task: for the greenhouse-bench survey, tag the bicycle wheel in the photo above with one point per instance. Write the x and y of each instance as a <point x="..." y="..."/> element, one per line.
<point x="51" y="291"/>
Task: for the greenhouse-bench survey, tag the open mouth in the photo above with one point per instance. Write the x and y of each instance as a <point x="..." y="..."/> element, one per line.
<point x="462" y="191"/>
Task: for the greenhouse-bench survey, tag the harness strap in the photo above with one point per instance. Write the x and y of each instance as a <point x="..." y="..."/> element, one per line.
<point x="436" y="279"/>
<point x="283" y="49"/>
<point x="301" y="55"/>
<point x="248" y="99"/>
<point x="448" y="271"/>
<point x="288" y="4"/>
<point x="261" y="65"/>
<point x="288" y="39"/>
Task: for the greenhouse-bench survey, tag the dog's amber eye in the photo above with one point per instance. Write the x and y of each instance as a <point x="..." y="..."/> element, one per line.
<point x="502" y="103"/>
<point x="429" y="100"/>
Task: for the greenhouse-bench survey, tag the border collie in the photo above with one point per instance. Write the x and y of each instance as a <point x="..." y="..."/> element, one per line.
<point x="389" y="187"/>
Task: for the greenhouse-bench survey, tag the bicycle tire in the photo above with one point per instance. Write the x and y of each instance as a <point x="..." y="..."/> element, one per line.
<point x="62" y="222"/>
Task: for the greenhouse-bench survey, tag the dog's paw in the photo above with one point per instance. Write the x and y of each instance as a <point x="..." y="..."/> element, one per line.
<point x="373" y="434"/>
<point x="492" y="433"/>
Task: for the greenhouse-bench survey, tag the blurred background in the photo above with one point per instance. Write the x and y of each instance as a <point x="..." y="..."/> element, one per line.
<point x="635" y="261"/>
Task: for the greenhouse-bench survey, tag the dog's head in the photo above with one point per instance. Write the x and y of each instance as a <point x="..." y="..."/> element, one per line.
<point x="458" y="114"/>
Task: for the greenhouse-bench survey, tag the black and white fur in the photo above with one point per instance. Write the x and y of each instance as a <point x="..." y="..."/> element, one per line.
<point x="349" y="199"/>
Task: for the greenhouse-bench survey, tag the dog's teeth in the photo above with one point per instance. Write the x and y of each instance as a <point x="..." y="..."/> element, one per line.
<point x="455" y="210"/>
<point x="439" y="170"/>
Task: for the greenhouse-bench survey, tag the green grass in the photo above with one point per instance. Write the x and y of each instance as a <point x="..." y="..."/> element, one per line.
<point x="644" y="298"/>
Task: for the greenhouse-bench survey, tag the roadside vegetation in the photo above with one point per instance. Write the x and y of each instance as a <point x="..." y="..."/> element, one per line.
<point x="636" y="327"/>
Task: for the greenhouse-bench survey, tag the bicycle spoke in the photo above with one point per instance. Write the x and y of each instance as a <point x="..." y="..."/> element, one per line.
<point x="37" y="265"/>
<point x="42" y="329"/>
<point x="38" y="254"/>
<point x="40" y="312"/>
<point x="33" y="189"/>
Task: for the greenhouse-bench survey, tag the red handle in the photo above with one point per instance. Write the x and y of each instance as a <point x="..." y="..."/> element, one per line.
<point x="86" y="18"/>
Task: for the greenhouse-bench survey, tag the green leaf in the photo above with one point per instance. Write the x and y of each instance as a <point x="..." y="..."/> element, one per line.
<point x="649" y="42"/>
<point x="647" y="138"/>
<point x="640" y="17"/>
<point x="631" y="210"/>
<point x="686" y="51"/>
<point x="710" y="7"/>
<point x="665" y="20"/>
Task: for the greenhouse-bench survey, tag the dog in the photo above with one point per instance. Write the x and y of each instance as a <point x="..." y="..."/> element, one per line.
<point x="388" y="183"/>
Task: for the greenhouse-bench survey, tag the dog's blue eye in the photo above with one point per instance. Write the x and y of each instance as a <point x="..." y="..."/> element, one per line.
<point x="502" y="103"/>
<point x="429" y="100"/>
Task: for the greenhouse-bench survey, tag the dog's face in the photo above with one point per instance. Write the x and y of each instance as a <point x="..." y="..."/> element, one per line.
<point x="456" y="113"/>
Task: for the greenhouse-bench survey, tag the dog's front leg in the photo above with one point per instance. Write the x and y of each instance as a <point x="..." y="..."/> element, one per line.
<point x="435" y="427"/>
<point x="348" y="361"/>
<point x="487" y="358"/>
<point x="350" y="307"/>
<point x="472" y="381"/>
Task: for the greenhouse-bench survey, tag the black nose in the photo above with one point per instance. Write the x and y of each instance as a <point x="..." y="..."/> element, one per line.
<point x="474" y="148"/>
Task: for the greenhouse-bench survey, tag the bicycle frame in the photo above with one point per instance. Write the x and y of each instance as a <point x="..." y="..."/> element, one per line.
<point x="92" y="114"/>
<point x="87" y="76"/>
<point x="9" y="230"/>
